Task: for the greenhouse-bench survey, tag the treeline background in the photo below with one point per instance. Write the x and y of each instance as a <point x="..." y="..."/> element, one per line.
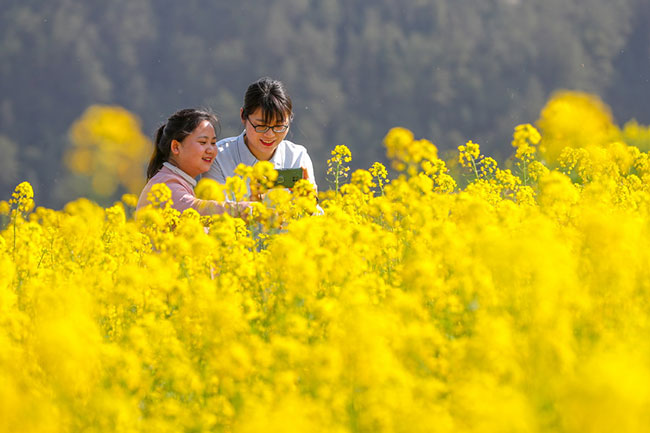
<point x="449" y="70"/>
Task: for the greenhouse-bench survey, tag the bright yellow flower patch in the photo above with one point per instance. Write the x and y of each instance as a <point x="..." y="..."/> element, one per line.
<point x="517" y="302"/>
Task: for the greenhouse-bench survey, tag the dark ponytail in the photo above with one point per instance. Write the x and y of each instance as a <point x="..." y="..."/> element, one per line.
<point x="178" y="126"/>
<point x="159" y="156"/>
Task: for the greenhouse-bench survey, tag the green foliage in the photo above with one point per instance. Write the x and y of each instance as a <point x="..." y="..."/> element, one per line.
<point x="448" y="70"/>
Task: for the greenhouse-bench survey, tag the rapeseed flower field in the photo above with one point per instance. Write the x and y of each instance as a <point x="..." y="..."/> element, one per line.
<point x="504" y="299"/>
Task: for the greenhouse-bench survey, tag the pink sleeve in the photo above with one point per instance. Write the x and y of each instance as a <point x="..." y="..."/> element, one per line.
<point x="184" y="198"/>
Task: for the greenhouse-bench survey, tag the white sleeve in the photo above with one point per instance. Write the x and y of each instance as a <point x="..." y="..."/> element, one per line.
<point x="216" y="172"/>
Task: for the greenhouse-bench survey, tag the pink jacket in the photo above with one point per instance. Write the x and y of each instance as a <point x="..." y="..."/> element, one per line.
<point x="182" y="188"/>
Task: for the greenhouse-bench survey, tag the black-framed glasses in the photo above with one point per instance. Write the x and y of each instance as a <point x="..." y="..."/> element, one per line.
<point x="263" y="128"/>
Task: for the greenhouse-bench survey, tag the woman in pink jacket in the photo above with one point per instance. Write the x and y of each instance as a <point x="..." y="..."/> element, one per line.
<point x="185" y="147"/>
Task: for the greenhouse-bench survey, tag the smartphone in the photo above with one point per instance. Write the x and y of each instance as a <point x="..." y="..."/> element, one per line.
<point x="287" y="177"/>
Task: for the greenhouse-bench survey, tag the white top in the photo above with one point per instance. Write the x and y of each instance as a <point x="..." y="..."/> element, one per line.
<point x="233" y="151"/>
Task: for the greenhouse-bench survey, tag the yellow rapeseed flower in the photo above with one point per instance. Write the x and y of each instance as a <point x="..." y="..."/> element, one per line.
<point x="391" y="312"/>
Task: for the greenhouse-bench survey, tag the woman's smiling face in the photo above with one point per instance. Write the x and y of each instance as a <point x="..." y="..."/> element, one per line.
<point x="194" y="155"/>
<point x="263" y="144"/>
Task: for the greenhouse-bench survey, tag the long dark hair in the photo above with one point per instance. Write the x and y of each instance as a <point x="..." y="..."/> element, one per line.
<point x="272" y="97"/>
<point x="178" y="126"/>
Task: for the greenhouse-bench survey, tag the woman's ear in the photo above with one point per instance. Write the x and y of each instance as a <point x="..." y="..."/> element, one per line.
<point x="175" y="147"/>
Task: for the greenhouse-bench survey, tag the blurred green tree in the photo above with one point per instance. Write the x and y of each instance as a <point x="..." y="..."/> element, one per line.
<point x="447" y="70"/>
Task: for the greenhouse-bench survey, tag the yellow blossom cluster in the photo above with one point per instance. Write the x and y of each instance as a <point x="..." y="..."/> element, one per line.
<point x="337" y="168"/>
<point x="574" y="119"/>
<point x="108" y="147"/>
<point x="378" y="172"/>
<point x="636" y="135"/>
<point x="418" y="160"/>
<point x="525" y="138"/>
<point x="423" y="307"/>
<point x="469" y="154"/>
<point x="406" y="153"/>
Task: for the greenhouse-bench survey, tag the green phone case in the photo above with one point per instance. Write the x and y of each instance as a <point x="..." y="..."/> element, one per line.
<point x="287" y="177"/>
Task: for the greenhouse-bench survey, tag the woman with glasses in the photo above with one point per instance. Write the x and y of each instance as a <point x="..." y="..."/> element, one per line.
<point x="266" y="116"/>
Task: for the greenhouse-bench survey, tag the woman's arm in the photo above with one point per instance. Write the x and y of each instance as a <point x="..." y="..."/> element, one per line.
<point x="184" y="198"/>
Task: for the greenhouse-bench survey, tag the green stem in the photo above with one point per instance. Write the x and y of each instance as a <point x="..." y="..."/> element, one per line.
<point x="41" y="259"/>
<point x="474" y="167"/>
<point x="525" y="173"/>
<point x="338" y="174"/>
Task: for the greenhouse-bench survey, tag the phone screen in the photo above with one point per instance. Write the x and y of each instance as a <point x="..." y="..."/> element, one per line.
<point x="288" y="177"/>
